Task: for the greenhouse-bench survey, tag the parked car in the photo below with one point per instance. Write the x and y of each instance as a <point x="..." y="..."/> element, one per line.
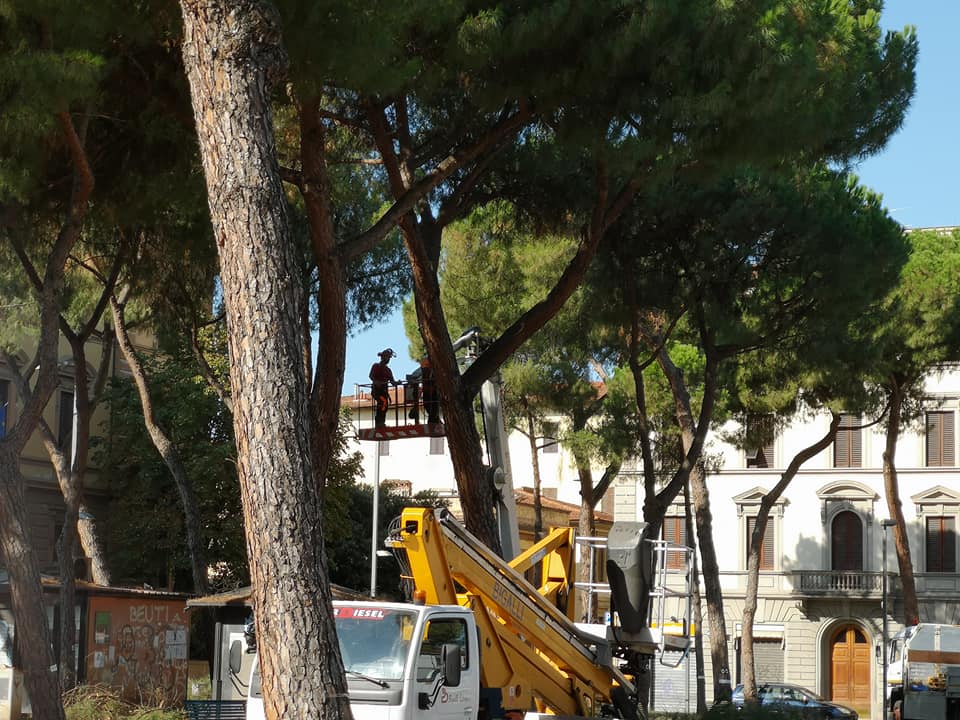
<point x="794" y="699"/>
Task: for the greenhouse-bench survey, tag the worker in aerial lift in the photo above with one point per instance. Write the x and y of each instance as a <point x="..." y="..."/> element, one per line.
<point x="431" y="399"/>
<point x="382" y="377"/>
<point x="425" y="387"/>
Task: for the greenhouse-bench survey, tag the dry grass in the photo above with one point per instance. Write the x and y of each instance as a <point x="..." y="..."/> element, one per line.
<point x="98" y="702"/>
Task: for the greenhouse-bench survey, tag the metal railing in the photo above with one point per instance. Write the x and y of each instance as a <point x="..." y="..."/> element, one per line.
<point x="670" y="589"/>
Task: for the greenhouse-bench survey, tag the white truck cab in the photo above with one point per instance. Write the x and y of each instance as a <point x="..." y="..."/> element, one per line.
<point x="402" y="662"/>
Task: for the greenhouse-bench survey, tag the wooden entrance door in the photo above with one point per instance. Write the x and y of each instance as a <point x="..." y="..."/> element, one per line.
<point x="850" y="668"/>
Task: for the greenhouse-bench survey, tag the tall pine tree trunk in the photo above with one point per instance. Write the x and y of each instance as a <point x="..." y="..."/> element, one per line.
<point x="233" y="55"/>
<point x="316" y="190"/>
<point x="700" y="496"/>
<point x="697" y="619"/>
<point x="67" y="474"/>
<point x="586" y="528"/>
<point x="33" y="636"/>
<point x="891" y="485"/>
<point x="719" y="650"/>
<point x="537" y="481"/>
<point x="476" y="492"/>
<point x="71" y="468"/>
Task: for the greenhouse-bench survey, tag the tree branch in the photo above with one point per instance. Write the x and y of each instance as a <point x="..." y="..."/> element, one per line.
<point x="407" y="198"/>
<point x="207" y="372"/>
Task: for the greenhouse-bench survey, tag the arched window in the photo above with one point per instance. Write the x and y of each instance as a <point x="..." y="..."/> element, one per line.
<point x="846" y="541"/>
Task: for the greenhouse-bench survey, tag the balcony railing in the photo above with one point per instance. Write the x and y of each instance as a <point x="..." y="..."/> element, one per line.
<point x="817" y="582"/>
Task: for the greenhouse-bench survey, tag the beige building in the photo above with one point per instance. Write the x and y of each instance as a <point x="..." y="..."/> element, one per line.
<point x="44" y="501"/>
<point x="819" y="619"/>
<point x="45" y="507"/>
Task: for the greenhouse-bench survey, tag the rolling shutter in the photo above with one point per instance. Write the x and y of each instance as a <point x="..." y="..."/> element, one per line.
<point x="674" y="689"/>
<point x="768" y="660"/>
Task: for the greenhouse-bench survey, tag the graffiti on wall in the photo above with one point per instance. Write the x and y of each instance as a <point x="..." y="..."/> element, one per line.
<point x="139" y="648"/>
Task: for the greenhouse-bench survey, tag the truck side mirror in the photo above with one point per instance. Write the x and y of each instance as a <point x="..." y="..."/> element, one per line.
<point x="236" y="657"/>
<point x="450" y="659"/>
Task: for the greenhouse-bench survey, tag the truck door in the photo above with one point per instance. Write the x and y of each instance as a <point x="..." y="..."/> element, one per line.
<point x="451" y="703"/>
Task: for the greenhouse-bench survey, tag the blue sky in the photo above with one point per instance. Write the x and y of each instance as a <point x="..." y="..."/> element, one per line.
<point x="916" y="173"/>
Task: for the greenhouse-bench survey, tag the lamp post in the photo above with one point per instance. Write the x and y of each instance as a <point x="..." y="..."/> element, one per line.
<point x="884" y="524"/>
<point x="376" y="519"/>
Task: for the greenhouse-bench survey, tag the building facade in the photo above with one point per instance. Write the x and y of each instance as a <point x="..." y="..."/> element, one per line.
<point x="820" y="616"/>
<point x="45" y="512"/>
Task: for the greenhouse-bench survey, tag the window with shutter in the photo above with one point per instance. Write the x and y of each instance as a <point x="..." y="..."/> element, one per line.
<point x="940" y="443"/>
<point x="941" y="544"/>
<point x="847" y="448"/>
<point x="766" y="546"/>
<point x="675" y="531"/>
<point x="760" y="451"/>
<point x="550" y="444"/>
<point x="846" y="542"/>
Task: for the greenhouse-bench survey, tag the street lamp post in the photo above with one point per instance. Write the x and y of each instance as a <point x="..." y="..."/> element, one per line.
<point x="884" y="524"/>
<point x="376" y="519"/>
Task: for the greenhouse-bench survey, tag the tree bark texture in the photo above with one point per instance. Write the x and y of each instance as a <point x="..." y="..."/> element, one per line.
<point x="90" y="540"/>
<point x="69" y="488"/>
<point x="753" y="558"/>
<point x="697" y="606"/>
<point x="71" y="469"/>
<point x="586" y="527"/>
<point x="92" y="546"/>
<point x="332" y="293"/>
<point x="537" y="481"/>
<point x="232" y="53"/>
<point x="25" y="589"/>
<point x="694" y="434"/>
<point x="26" y="596"/>
<point x="712" y="590"/>
<point x="168" y="453"/>
<point x="466" y="453"/>
<point x="891" y="485"/>
<point x="422" y="238"/>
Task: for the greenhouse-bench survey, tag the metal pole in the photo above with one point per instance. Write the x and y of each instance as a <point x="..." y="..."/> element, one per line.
<point x="73" y="433"/>
<point x="376" y="514"/>
<point x="589" y="548"/>
<point x="884" y="524"/>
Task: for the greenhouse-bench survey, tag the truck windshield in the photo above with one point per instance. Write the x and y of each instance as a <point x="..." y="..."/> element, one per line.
<point x="374" y="641"/>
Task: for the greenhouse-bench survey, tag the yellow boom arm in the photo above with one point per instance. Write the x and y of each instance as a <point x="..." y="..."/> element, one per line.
<point x="530" y="648"/>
